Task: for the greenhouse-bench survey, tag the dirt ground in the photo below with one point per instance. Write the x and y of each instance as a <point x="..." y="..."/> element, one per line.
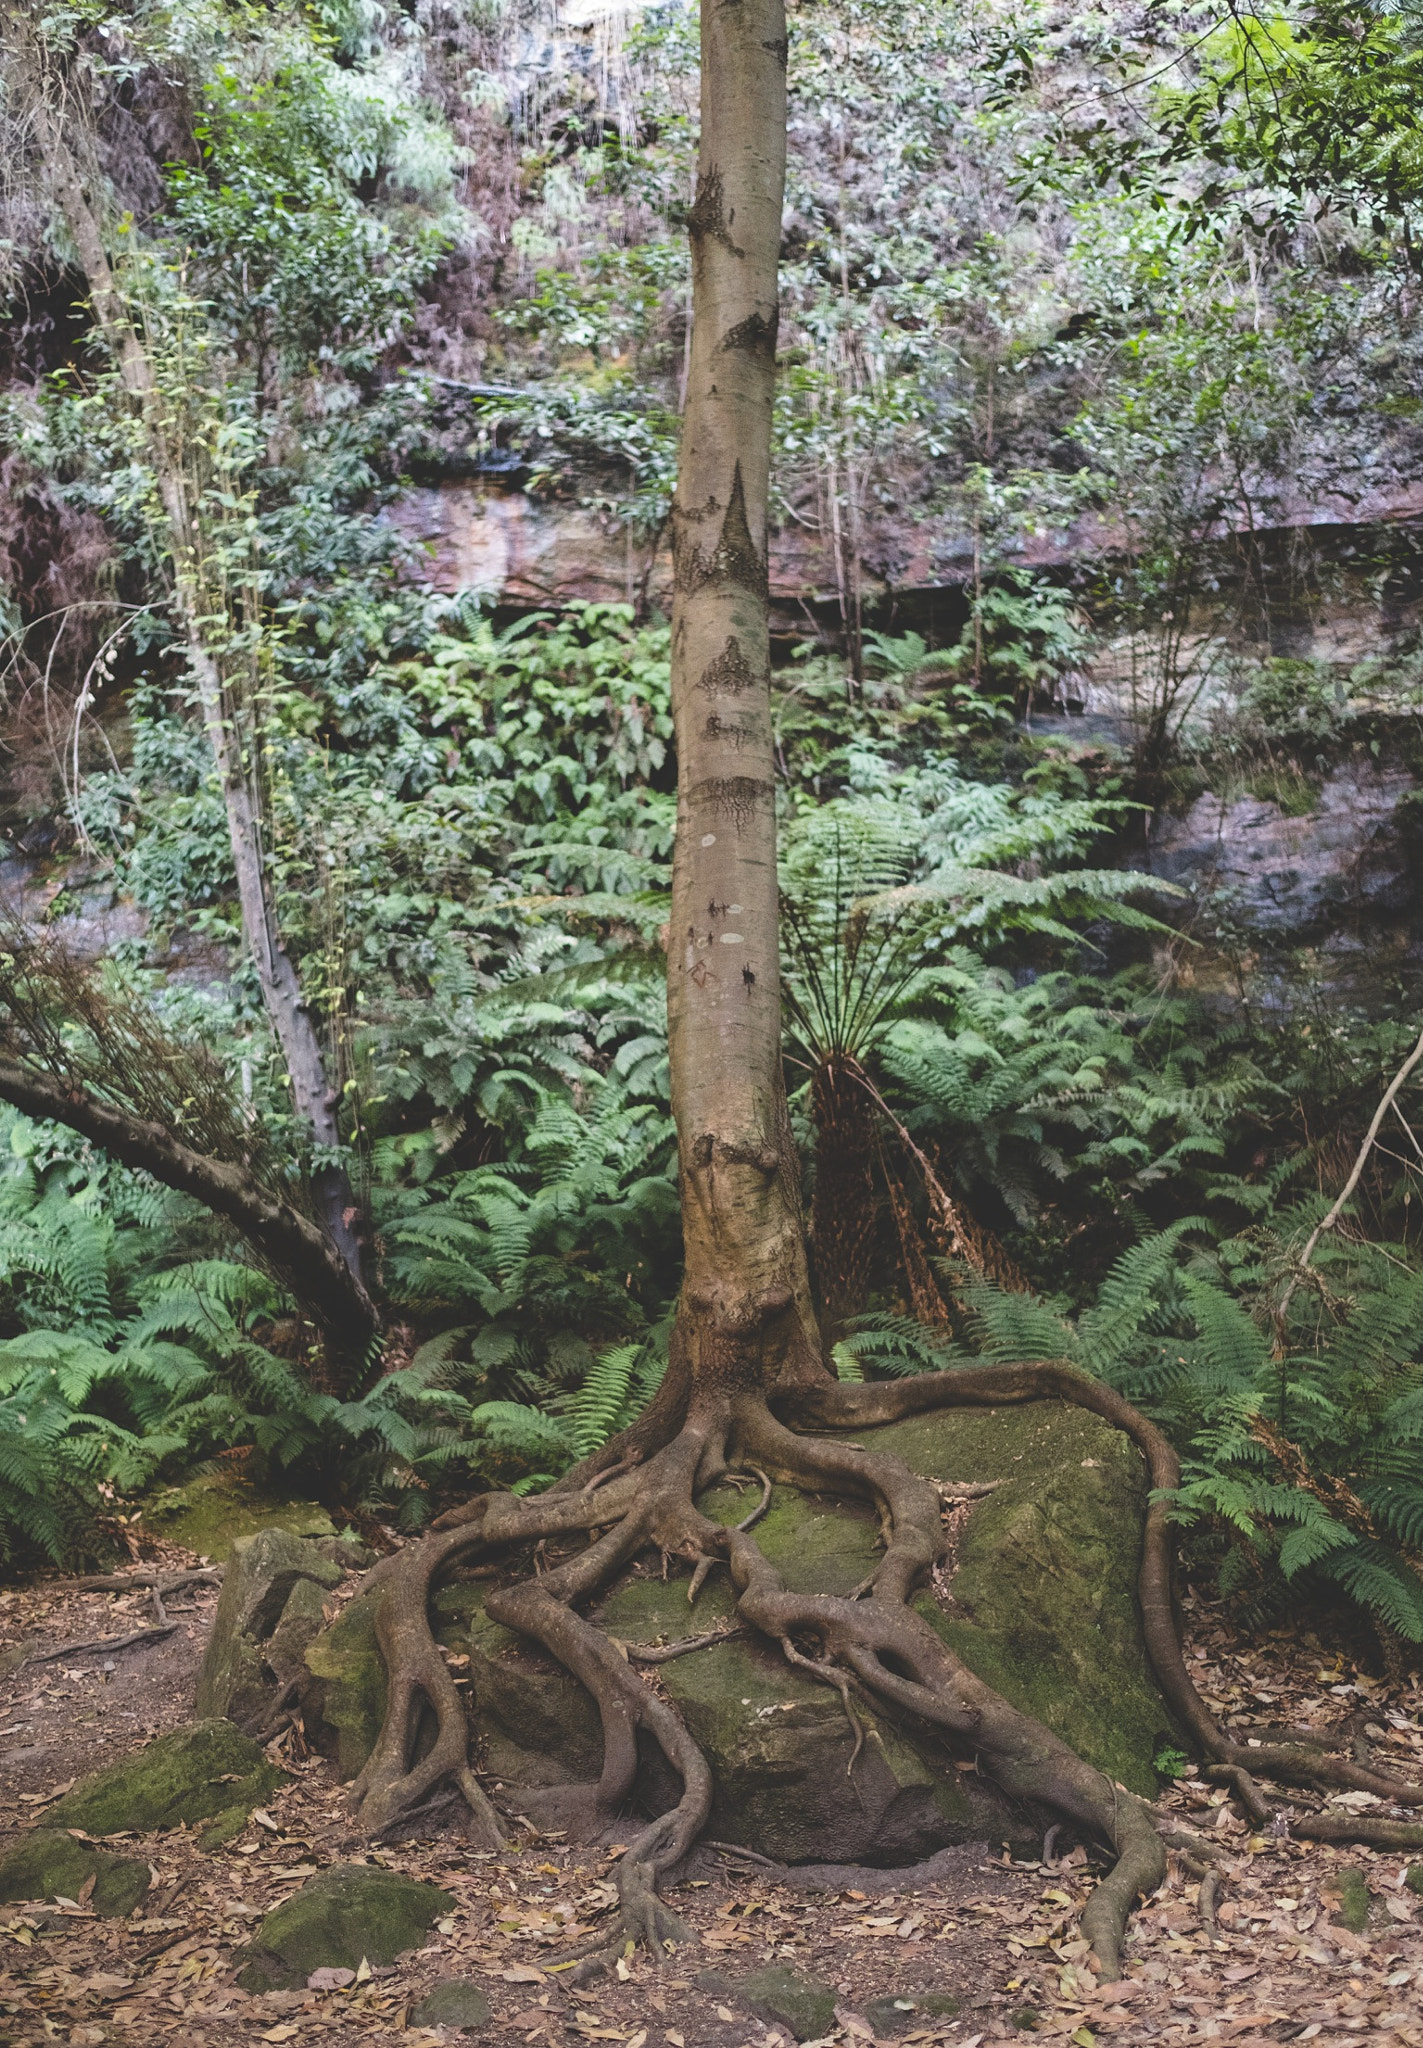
<point x="1000" y="1938"/>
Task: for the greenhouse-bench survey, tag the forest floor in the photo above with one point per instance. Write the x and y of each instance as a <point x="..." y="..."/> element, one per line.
<point x="998" y="1937"/>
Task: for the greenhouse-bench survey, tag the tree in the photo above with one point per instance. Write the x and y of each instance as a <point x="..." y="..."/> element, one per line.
<point x="745" y="1334"/>
<point x="218" y="648"/>
<point x="748" y="1390"/>
<point x="746" y="1357"/>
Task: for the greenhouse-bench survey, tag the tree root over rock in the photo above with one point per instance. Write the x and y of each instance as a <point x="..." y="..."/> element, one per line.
<point x="639" y="1495"/>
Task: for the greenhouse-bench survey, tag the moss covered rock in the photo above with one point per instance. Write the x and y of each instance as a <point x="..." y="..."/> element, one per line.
<point x="791" y="1998"/>
<point x="193" y="1774"/>
<point x="355" y="1912"/>
<point x="50" y="1864"/>
<point x="1043" y="1606"/>
<point x="269" y="1610"/>
<point x="212" y="1513"/>
<point x="456" y="2003"/>
<point x="346" y="1706"/>
<point x="1350" y="1889"/>
<point x="903" y="2010"/>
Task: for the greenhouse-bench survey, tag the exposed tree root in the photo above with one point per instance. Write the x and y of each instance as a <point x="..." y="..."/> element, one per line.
<point x="639" y="1495"/>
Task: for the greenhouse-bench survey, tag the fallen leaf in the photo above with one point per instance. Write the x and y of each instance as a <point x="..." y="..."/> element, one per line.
<point x="43" y="1798"/>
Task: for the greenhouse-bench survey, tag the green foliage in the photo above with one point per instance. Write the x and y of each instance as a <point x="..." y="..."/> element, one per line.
<point x="1300" y="1445"/>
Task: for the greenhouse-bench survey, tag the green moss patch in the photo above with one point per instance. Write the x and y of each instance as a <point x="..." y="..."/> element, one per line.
<point x="210" y="1514"/>
<point x="50" y="1864"/>
<point x="191" y="1775"/>
<point x="356" y="1912"/>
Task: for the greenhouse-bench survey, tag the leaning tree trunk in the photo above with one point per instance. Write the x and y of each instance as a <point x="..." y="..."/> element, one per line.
<point x="314" y="1098"/>
<point x="745" y="1316"/>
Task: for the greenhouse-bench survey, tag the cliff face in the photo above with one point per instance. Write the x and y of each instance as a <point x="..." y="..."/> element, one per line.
<point x="994" y="362"/>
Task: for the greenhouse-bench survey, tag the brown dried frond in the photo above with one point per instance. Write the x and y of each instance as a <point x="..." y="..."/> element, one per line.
<point x="66" y="1018"/>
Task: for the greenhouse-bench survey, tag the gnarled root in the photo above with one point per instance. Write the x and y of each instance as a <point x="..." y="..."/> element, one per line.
<point x="1303" y="1763"/>
<point x="641" y="1494"/>
<point x="895" y="1656"/>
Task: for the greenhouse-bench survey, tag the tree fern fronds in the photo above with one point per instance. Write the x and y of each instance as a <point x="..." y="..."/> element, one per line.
<point x="879" y="1343"/>
<point x="600" y="1406"/>
<point x="1016" y="1326"/>
<point x="1380" y="1582"/>
<point x="524" y="1433"/>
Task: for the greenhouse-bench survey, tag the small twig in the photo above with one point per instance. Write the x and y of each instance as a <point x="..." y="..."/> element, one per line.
<point x="130" y="1642"/>
<point x="1331" y="1217"/>
<point x="664" y="1653"/>
<point x="747" y="1855"/>
<point x="130" y="1582"/>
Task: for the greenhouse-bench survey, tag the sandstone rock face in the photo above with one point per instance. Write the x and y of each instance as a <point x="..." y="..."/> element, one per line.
<point x="193" y="1774"/>
<point x="1293" y="877"/>
<point x="355" y="1912"/>
<point x="50" y="1864"/>
<point x="1043" y="1606"/>
<point x="269" y="1610"/>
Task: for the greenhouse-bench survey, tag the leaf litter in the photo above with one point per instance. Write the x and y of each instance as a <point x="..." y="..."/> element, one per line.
<point x="1278" y="1965"/>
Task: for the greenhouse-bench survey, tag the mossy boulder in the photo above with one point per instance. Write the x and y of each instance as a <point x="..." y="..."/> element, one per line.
<point x="353" y="1913"/>
<point x="212" y="1513"/>
<point x="456" y="2003"/>
<point x="270" y="1608"/>
<point x="195" y="1773"/>
<point x="50" y="1864"/>
<point x="1350" y="1890"/>
<point x="346" y="1706"/>
<point x="791" y="1998"/>
<point x="1043" y="1606"/>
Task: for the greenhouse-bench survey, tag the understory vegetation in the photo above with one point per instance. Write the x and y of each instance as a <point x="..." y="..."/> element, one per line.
<point x="1043" y="1109"/>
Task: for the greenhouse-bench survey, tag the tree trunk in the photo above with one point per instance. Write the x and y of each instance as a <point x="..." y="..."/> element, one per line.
<point x="843" y="1205"/>
<point x="745" y="1315"/>
<point x="295" y="1247"/>
<point x="291" y="1020"/>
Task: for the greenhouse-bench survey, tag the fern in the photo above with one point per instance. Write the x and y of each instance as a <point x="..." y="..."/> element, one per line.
<point x="1183" y="1331"/>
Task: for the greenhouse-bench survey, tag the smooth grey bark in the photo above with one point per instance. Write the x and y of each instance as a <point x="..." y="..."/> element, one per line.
<point x="745" y="1315"/>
